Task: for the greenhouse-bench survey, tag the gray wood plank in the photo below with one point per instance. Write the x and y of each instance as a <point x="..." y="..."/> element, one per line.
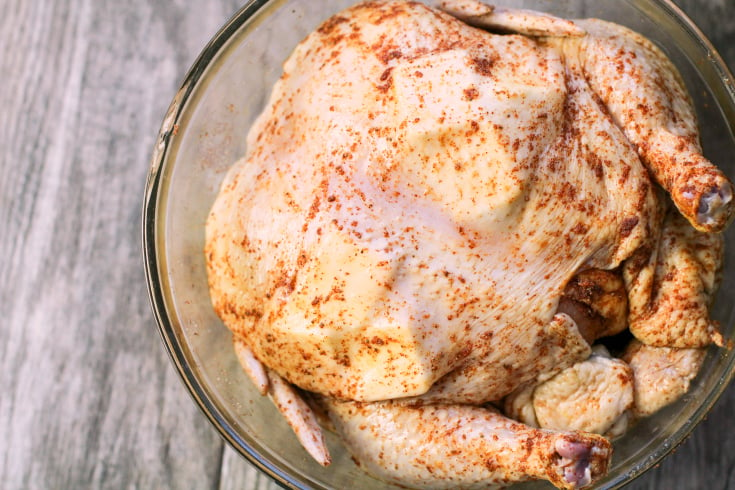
<point x="238" y="474"/>
<point x="89" y="398"/>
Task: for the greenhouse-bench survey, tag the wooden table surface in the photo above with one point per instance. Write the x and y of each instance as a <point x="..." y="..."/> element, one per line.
<point x="88" y="397"/>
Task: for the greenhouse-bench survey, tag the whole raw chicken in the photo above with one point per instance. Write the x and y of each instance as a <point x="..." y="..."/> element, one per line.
<point x="444" y="208"/>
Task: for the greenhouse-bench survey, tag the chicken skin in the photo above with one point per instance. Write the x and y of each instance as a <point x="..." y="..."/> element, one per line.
<point x="595" y="395"/>
<point x="671" y="290"/>
<point x="431" y="216"/>
<point x="462" y="446"/>
<point x="662" y="374"/>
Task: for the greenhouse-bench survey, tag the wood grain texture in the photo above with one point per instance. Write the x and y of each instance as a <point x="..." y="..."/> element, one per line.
<point x="88" y="397"/>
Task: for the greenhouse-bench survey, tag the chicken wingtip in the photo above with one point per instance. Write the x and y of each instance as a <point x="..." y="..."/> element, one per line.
<point x="717" y="337"/>
<point x="251" y="365"/>
<point x="292" y="406"/>
<point x="300" y="416"/>
<point x="521" y="21"/>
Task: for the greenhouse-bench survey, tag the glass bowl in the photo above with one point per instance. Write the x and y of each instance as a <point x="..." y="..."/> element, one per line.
<point x="204" y="133"/>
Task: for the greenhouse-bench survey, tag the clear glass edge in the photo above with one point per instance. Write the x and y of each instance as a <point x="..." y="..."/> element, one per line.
<point x="152" y="253"/>
<point x="672" y="442"/>
<point x="176" y="351"/>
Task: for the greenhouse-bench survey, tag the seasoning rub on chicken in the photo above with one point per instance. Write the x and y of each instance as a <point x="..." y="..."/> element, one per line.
<point x="440" y="212"/>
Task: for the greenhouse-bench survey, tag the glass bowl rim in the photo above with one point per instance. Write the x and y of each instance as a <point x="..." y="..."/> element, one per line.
<point x="152" y="249"/>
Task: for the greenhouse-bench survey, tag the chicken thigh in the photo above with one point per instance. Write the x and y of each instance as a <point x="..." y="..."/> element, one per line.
<point x="595" y="395"/>
<point x="661" y="374"/>
<point x="421" y="217"/>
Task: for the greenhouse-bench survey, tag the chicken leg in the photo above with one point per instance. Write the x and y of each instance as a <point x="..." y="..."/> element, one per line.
<point x="643" y="93"/>
<point x="461" y="446"/>
<point x="661" y="375"/>
<point x="647" y="99"/>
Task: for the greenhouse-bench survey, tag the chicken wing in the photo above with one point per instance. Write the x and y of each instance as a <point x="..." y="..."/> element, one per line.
<point x="520" y="21"/>
<point x="671" y="287"/>
<point x="292" y="406"/>
<point x="646" y="97"/>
